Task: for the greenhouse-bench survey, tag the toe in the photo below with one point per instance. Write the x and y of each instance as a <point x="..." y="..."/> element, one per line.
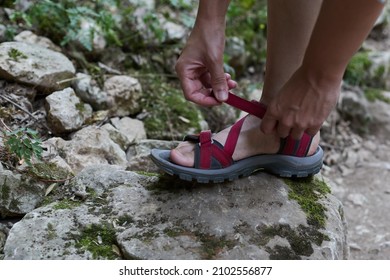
<point x="183" y="154"/>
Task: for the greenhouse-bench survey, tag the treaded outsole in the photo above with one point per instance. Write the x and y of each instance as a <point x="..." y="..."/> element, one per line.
<point x="187" y="174"/>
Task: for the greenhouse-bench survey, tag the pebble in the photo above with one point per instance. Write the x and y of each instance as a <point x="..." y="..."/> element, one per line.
<point x="357" y="199"/>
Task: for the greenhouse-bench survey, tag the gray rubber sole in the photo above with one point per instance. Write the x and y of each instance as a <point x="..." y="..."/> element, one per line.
<point x="281" y="165"/>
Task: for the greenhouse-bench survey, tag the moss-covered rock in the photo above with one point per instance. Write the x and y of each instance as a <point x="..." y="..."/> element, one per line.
<point x="170" y="116"/>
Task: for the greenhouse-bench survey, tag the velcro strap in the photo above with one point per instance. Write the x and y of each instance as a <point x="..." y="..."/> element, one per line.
<point x="205" y="137"/>
<point x="252" y="107"/>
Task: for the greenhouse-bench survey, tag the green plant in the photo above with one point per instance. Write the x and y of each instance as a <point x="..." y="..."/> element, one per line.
<point x="24" y="143"/>
<point x="373" y="94"/>
<point x="16" y="54"/>
<point x="357" y="68"/>
<point x="63" y="21"/>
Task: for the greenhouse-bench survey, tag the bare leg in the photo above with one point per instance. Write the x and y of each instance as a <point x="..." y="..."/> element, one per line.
<point x="290" y="24"/>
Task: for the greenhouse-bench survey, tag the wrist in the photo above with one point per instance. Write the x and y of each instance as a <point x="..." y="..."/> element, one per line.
<point x="322" y="77"/>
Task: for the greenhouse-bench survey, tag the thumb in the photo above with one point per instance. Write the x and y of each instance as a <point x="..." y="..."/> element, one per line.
<point x="219" y="84"/>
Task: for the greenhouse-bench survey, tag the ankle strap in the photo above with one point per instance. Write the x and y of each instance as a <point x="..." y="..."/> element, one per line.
<point x="288" y="146"/>
<point x="252" y="107"/>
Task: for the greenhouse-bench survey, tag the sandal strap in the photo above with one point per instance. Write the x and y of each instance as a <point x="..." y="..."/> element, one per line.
<point x="252" y="107"/>
<point x="299" y="148"/>
<point x="210" y="154"/>
<point x="232" y="138"/>
<point x="288" y="145"/>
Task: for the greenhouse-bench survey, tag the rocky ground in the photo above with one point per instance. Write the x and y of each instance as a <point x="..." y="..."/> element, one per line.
<point x="364" y="192"/>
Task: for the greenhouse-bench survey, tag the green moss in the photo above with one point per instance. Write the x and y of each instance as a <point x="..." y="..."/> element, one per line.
<point x="125" y="220"/>
<point x="148" y="174"/>
<point x="46" y="201"/>
<point x="379" y="72"/>
<point x="99" y="240"/>
<point x="167" y="183"/>
<point x="16" y="54"/>
<point x="5" y="190"/>
<point x="282" y="253"/>
<point x="373" y="94"/>
<point x="51" y="232"/>
<point x="14" y="205"/>
<point x="174" y="232"/>
<point x="300" y="240"/>
<point x="170" y="115"/>
<point x="307" y="192"/>
<point x="80" y="107"/>
<point x="49" y="171"/>
<point x="356" y="71"/>
<point x="212" y="245"/>
<point x="146" y="235"/>
<point x="66" y="204"/>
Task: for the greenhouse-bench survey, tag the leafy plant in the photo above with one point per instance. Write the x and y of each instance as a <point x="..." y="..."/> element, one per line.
<point x="24" y="143"/>
<point x="62" y="21"/>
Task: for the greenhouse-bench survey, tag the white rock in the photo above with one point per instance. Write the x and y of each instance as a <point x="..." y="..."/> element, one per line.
<point x="35" y="65"/>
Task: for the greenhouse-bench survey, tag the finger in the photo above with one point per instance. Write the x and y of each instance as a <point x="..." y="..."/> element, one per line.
<point x="282" y="130"/>
<point x="204" y="97"/>
<point x="268" y="125"/>
<point x="206" y="80"/>
<point x="313" y="131"/>
<point x="231" y="84"/>
<point x="219" y="83"/>
<point x="194" y="91"/>
<point x="297" y="133"/>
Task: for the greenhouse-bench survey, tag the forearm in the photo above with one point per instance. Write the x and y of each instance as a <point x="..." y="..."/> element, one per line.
<point x="341" y="28"/>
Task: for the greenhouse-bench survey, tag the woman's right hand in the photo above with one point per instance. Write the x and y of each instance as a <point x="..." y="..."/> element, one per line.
<point x="200" y="65"/>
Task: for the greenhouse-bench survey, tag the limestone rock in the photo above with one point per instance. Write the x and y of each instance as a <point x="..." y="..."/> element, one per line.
<point x="124" y="94"/>
<point x="66" y="112"/>
<point x="2" y="33"/>
<point x="138" y="154"/>
<point x="380" y="125"/>
<point x="174" y="31"/>
<point x="133" y="129"/>
<point x="150" y="217"/>
<point x="353" y="106"/>
<point x="19" y="194"/>
<point x="88" y="91"/>
<point x="34" y="65"/>
<point x="88" y="146"/>
<point x="31" y="38"/>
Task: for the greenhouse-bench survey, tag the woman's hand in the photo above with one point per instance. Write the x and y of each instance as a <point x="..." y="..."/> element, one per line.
<point x="200" y="65"/>
<point x="302" y="105"/>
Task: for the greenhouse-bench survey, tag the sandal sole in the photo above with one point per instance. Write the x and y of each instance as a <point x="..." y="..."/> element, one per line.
<point x="280" y="165"/>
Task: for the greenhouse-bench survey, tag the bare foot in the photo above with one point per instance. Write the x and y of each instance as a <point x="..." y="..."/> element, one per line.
<point x="250" y="142"/>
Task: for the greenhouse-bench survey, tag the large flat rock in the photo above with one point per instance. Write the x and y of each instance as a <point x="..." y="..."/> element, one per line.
<point x="125" y="215"/>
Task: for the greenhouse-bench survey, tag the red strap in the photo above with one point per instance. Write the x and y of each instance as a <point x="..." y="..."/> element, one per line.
<point x="208" y="150"/>
<point x="231" y="140"/>
<point x="252" y="107"/>
<point x="304" y="145"/>
<point x="292" y="147"/>
<point x="205" y="149"/>
<point x="289" y="146"/>
<point x="221" y="156"/>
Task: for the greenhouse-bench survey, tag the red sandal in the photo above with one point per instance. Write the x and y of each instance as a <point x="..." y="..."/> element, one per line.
<point x="214" y="162"/>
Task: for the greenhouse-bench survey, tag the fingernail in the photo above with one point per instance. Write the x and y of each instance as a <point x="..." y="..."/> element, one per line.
<point x="222" y="95"/>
